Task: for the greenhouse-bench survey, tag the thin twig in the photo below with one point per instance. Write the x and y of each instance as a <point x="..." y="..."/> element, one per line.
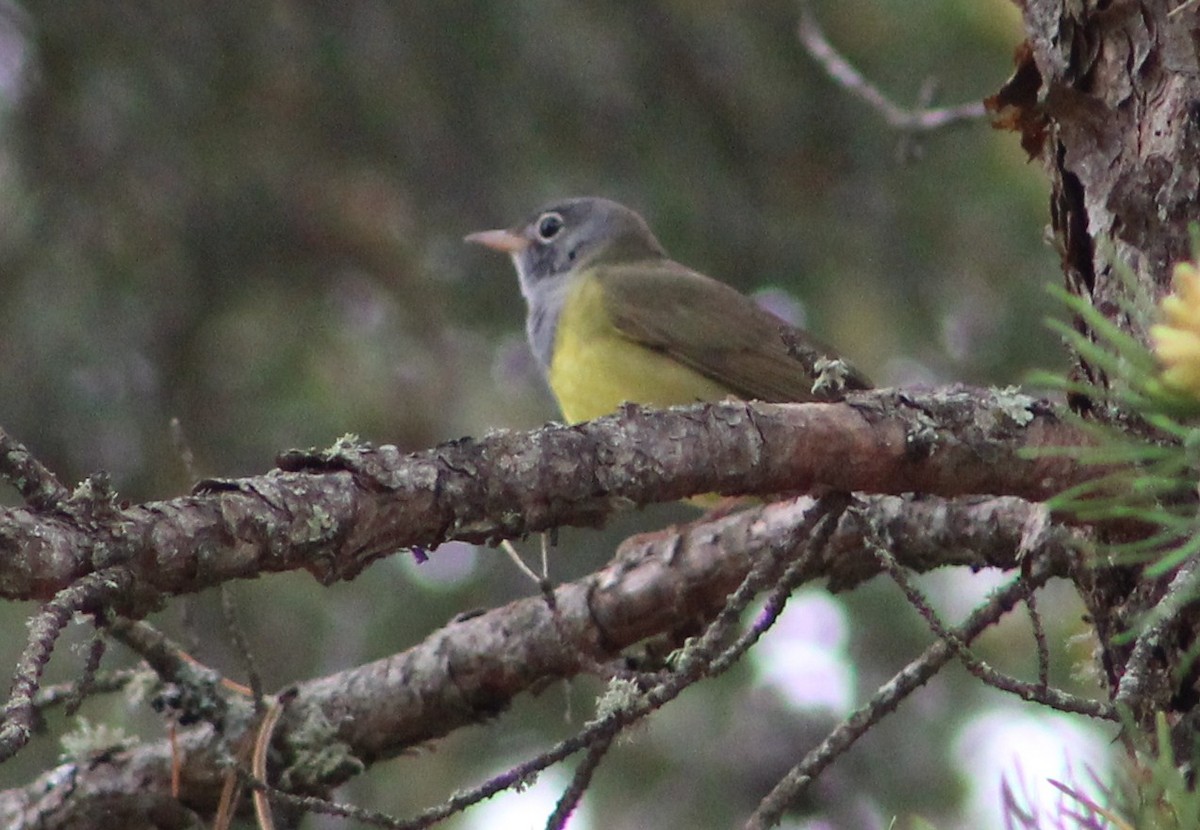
<point x="887" y="698"/>
<point x="826" y="523"/>
<point x="227" y="803"/>
<point x="90" y="667"/>
<point x="183" y="449"/>
<point x="67" y="693"/>
<point x="1033" y="692"/>
<point x="1182" y="7"/>
<point x="201" y="685"/>
<point x="323" y="806"/>
<point x="238" y="637"/>
<point x="579" y="784"/>
<point x="545" y="547"/>
<point x="508" y="547"/>
<point x="162" y="655"/>
<point x="845" y="75"/>
<point x="39" y="487"/>
<point x="44" y="630"/>
<point x="1165" y="615"/>
<point x="1039" y="639"/>
<point x="542" y="582"/>
<point x="605" y="728"/>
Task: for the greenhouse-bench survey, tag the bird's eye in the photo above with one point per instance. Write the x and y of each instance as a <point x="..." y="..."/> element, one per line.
<point x="549" y="225"/>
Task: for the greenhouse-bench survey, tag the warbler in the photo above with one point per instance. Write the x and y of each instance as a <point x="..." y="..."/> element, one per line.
<point x="612" y="318"/>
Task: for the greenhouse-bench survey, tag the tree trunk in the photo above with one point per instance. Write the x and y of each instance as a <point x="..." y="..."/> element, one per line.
<point x="1107" y="96"/>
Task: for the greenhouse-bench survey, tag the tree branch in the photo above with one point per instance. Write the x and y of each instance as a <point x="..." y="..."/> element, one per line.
<point x="91" y="592"/>
<point x="842" y="72"/>
<point x="39" y="487"/>
<point x="918" y="672"/>
<point x="471" y="669"/>
<point x="333" y="513"/>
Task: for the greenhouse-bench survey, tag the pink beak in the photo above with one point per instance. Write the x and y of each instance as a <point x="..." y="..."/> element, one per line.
<point x="504" y="241"/>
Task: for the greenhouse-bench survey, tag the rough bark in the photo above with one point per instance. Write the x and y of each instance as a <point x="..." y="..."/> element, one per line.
<point x="469" y="671"/>
<point x="1107" y="96"/>
<point x="333" y="513"/>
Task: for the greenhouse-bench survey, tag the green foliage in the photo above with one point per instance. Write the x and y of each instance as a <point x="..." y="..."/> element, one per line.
<point x="1144" y="443"/>
<point x="1157" y="794"/>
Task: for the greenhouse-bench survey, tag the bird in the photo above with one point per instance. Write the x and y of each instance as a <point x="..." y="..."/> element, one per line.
<point x="613" y="319"/>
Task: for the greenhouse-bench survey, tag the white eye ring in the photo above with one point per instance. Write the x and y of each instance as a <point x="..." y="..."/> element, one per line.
<point x="548" y="226"/>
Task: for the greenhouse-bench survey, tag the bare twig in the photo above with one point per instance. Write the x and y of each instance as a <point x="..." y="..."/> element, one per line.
<point x="510" y="551"/>
<point x="226" y="806"/>
<point x="887" y="698"/>
<point x="200" y="692"/>
<point x="39" y="487"/>
<point x="68" y="693"/>
<point x="90" y="667"/>
<point x="579" y="784"/>
<point x="168" y="660"/>
<point x="176" y="758"/>
<point x="842" y="72"/>
<point x="1182" y="7"/>
<point x="183" y="449"/>
<point x="1035" y="692"/>
<point x="693" y="665"/>
<point x="1138" y="672"/>
<point x="324" y="806"/>
<point x="656" y="577"/>
<point x="238" y="637"/>
<point x="826" y="522"/>
<point x="546" y="541"/>
<point x="1039" y="639"/>
<point x="44" y="630"/>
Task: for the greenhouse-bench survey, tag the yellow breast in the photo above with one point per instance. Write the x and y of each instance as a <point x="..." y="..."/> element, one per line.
<point x="595" y="368"/>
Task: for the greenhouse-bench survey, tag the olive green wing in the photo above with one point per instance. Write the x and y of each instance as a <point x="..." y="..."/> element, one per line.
<point x="709" y="326"/>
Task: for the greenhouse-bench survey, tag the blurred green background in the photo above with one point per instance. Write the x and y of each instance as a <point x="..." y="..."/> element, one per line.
<point x="248" y="216"/>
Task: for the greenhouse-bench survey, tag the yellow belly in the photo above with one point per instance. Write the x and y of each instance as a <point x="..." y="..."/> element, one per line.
<point x="595" y="369"/>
